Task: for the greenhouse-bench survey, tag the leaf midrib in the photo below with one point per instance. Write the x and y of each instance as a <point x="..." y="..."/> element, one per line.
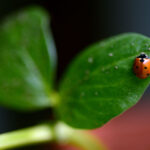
<point x="95" y="71"/>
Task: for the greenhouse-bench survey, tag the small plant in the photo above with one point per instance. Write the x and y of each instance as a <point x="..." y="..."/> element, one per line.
<point x="98" y="85"/>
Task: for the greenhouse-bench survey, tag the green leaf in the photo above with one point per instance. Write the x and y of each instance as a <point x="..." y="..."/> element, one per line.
<point x="27" y="60"/>
<point x="100" y="83"/>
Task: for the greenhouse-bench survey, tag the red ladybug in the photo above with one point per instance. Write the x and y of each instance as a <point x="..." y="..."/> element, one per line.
<point x="142" y="66"/>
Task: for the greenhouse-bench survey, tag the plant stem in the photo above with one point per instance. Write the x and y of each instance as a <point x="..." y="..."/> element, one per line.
<point x="79" y="138"/>
<point x="33" y="135"/>
<point x="59" y="132"/>
<point x="86" y="141"/>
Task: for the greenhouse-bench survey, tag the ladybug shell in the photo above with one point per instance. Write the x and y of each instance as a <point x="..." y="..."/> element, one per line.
<point x="142" y="69"/>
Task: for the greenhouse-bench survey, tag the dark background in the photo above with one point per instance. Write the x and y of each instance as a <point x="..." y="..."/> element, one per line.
<point x="75" y="25"/>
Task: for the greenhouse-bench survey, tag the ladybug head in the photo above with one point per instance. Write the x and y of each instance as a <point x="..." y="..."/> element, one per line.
<point x="142" y="55"/>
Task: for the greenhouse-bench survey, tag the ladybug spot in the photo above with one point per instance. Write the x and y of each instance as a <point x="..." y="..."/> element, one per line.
<point x="148" y="74"/>
<point x="145" y="67"/>
<point x="137" y="67"/>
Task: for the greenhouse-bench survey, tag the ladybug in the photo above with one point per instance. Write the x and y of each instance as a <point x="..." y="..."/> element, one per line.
<point x="142" y="66"/>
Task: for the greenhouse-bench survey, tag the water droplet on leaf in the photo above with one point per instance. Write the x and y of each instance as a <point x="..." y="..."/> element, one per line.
<point x="132" y="43"/>
<point x="90" y="59"/>
<point x="116" y="67"/>
<point x="82" y="93"/>
<point x="110" y="54"/>
<point x="96" y="93"/>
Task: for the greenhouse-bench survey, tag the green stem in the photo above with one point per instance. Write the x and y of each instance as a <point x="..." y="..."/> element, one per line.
<point x="86" y="141"/>
<point x="33" y="135"/>
<point x="59" y="132"/>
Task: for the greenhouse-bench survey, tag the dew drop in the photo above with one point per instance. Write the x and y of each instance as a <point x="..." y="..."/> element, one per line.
<point x="123" y="105"/>
<point x="90" y="60"/>
<point x="102" y="44"/>
<point x="116" y="67"/>
<point x="103" y="69"/>
<point x="96" y="93"/>
<point x="149" y="48"/>
<point x="110" y="54"/>
<point x="132" y="43"/>
<point x="82" y="93"/>
<point x="107" y="72"/>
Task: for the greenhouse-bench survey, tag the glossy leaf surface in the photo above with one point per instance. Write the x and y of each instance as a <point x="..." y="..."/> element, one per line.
<point x="100" y="83"/>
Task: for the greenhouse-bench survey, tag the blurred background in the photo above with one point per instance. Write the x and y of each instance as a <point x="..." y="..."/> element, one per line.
<point x="75" y="25"/>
